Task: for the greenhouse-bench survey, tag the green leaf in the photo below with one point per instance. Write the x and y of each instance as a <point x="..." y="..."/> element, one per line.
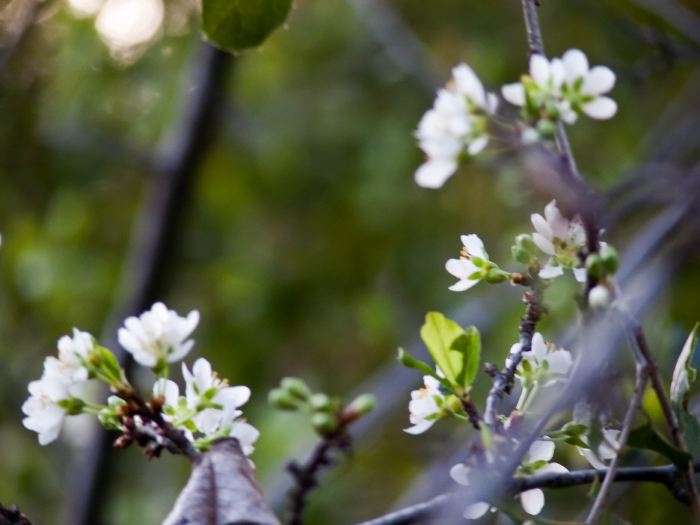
<point x="469" y="346"/>
<point x="684" y="374"/>
<point x="235" y="25"/>
<point x="438" y="334"/>
<point x="646" y="438"/>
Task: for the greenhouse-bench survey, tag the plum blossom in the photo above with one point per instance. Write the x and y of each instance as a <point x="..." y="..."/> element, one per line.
<point x="158" y="335"/>
<point x="44" y="414"/>
<point x="72" y="352"/>
<point x="456" y="124"/>
<point x="536" y="461"/>
<point x="563" y="87"/>
<point x="560" y="238"/>
<point x="425" y="406"/>
<point x="545" y="363"/>
<point x="217" y="405"/>
<point x="468" y="268"/>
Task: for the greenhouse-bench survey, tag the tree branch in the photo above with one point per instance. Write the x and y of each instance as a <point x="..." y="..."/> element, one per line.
<point x="418" y="514"/>
<point x="503" y="381"/>
<point x="599" y="503"/>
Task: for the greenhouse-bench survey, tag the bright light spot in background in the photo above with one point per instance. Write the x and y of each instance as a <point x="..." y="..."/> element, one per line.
<point x="125" y="24"/>
<point x="85" y="8"/>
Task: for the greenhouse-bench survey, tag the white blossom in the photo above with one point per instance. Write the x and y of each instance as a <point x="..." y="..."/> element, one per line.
<point x="546" y="363"/>
<point x="536" y="461"/>
<point x="158" y="334"/>
<point x="456" y="124"/>
<point x="566" y="85"/>
<point x="464" y="269"/>
<point x="561" y="239"/>
<point x="424" y="408"/>
<point x="44" y="415"/>
<point x="72" y="351"/>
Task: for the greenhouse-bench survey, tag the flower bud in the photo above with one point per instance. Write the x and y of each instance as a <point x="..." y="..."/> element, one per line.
<point x="611" y="259"/>
<point x="282" y="399"/>
<point x="320" y="403"/>
<point x="363" y="404"/>
<point x="595" y="266"/>
<point x="296" y="387"/>
<point x="546" y="127"/>
<point x="323" y="423"/>
<point x="599" y="297"/>
<point x="524" y="250"/>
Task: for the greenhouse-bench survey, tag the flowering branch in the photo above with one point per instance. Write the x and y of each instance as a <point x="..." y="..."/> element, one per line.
<point x="666" y="475"/>
<point x="503" y="381"/>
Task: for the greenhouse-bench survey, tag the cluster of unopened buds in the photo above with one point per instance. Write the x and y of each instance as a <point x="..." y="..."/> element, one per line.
<point x="208" y="410"/>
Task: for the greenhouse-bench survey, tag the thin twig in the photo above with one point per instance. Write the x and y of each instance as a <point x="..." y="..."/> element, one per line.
<point x="503" y="381"/>
<point x="599" y="503"/>
<point x="665" y="475"/>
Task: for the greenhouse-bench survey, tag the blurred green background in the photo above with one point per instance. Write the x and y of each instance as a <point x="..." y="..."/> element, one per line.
<point x="305" y="244"/>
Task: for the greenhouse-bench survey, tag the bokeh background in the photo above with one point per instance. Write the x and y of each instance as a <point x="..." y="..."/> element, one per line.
<point x="301" y="237"/>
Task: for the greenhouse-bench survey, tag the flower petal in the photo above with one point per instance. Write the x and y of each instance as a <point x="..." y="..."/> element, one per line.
<point x="460" y="473"/>
<point x="601" y="108"/>
<point x="540" y="450"/>
<point x="550" y="271"/>
<point x="476" y="510"/>
<point x="474" y="245"/>
<point x="575" y="64"/>
<point x="539" y="69"/>
<point x="543" y="243"/>
<point x="580" y="274"/>
<point x="514" y="93"/>
<point x="478" y="145"/>
<point x="600" y="80"/>
<point x="541" y="226"/>
<point x="419" y="428"/>
<point x="434" y="173"/>
<point x="532" y="501"/>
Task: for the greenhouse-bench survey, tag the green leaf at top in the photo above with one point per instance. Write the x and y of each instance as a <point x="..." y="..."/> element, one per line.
<point x="469" y="345"/>
<point x="235" y="25"/>
<point x="438" y="334"/>
<point x="645" y="437"/>
<point x="684" y="374"/>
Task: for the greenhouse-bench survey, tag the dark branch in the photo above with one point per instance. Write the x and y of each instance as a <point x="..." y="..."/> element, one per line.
<point x="503" y="381"/>
<point x="666" y="475"/>
<point x="12" y="516"/>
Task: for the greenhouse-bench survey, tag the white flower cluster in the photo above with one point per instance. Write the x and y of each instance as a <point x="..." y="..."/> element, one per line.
<point x="209" y="408"/>
<point x="50" y="397"/>
<point x="454" y="126"/>
<point x="536" y="461"/>
<point x="560" y="238"/>
<point x="562" y="88"/>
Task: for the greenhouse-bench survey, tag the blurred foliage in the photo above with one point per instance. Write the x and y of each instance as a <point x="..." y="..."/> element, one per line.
<point x="307" y="247"/>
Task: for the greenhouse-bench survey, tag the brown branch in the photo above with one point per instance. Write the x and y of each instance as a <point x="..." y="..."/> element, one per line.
<point x="599" y="503"/>
<point x="306" y="475"/>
